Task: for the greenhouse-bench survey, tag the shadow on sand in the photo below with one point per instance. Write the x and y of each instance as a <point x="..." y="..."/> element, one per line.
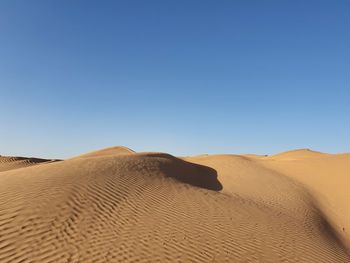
<point x="187" y="172"/>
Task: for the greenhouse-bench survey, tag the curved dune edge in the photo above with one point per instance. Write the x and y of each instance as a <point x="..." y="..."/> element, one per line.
<point x="327" y="179"/>
<point x="10" y="163"/>
<point x="299" y="154"/>
<point x="115" y="150"/>
<point x="156" y="207"/>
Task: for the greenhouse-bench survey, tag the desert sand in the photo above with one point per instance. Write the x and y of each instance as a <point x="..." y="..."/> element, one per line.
<point x="115" y="205"/>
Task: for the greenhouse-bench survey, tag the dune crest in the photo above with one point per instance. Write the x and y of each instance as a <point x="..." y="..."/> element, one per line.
<point x="298" y="154"/>
<point x="115" y="150"/>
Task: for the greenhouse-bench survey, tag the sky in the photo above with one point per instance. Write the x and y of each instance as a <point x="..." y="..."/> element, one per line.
<point x="183" y="77"/>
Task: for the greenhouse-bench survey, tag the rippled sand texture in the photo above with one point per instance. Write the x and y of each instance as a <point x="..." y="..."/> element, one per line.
<point x="116" y="205"/>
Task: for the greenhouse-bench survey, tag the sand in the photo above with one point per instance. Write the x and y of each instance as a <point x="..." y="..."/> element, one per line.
<point x="10" y="162"/>
<point x="115" y="205"/>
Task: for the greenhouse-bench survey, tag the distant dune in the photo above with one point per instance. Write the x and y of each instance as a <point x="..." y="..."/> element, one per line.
<point x="115" y="205"/>
<point x="9" y="163"/>
<point x="117" y="150"/>
<point x="298" y="154"/>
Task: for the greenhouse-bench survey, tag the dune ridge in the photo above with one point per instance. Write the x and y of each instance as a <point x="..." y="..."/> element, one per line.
<point x="299" y="154"/>
<point x="115" y="205"/>
<point x="115" y="150"/>
<point x="9" y="162"/>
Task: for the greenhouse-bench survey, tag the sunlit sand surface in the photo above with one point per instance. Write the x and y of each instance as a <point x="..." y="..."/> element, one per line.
<point x="115" y="205"/>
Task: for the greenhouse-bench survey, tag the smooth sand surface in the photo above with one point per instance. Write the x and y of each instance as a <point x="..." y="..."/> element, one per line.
<point x="115" y="205"/>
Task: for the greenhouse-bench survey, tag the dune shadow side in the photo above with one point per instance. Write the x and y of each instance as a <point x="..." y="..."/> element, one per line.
<point x="329" y="228"/>
<point x="190" y="173"/>
<point x="203" y="176"/>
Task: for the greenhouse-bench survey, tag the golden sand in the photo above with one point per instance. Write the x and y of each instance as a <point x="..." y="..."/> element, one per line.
<point x="115" y="205"/>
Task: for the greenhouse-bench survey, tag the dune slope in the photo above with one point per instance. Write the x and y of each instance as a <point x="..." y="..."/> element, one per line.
<point x="116" y="150"/>
<point x="153" y="207"/>
<point x="9" y="163"/>
<point x="327" y="178"/>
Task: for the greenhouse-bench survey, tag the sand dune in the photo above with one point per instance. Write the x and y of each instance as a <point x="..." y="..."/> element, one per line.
<point x="115" y="205"/>
<point x="327" y="178"/>
<point x="9" y="163"/>
<point x="298" y="154"/>
<point x="116" y="150"/>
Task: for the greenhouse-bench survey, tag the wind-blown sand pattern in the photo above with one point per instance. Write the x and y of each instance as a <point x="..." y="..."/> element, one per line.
<point x="116" y="205"/>
<point x="9" y="163"/>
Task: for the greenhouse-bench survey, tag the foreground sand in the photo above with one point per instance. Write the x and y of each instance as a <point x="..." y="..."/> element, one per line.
<point x="115" y="205"/>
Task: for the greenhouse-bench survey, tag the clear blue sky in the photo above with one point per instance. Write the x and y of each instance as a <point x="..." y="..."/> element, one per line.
<point x="184" y="77"/>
